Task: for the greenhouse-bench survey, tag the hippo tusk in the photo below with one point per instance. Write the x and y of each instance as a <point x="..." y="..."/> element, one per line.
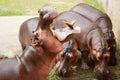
<point x="70" y="25"/>
<point x="73" y="22"/>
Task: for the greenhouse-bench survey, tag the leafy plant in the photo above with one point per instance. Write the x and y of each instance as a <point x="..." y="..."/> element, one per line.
<point x="52" y="75"/>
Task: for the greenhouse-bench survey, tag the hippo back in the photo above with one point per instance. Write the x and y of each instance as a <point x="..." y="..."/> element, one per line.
<point x="88" y="11"/>
<point x="26" y="29"/>
<point x="95" y="16"/>
<point x="84" y="24"/>
<point x="103" y="21"/>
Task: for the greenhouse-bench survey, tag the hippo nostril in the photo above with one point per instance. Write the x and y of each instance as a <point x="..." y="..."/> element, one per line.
<point x="107" y="72"/>
<point x="64" y="71"/>
<point x="36" y="34"/>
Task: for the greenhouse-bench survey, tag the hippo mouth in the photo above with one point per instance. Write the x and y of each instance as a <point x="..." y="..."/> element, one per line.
<point x="62" y="71"/>
<point x="35" y="42"/>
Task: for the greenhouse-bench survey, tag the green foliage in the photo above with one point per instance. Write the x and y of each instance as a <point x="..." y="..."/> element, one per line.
<point x="10" y="12"/>
<point x="74" y="68"/>
<point x="91" y="76"/>
<point x="95" y="4"/>
<point x="30" y="7"/>
<point x="52" y="75"/>
<point x="88" y="74"/>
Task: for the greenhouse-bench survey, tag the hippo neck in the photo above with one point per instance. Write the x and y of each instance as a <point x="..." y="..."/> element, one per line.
<point x="37" y="61"/>
<point x="42" y="24"/>
<point x="51" y="44"/>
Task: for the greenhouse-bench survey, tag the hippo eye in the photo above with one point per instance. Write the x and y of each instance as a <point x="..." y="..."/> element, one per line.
<point x="53" y="28"/>
<point x="41" y="13"/>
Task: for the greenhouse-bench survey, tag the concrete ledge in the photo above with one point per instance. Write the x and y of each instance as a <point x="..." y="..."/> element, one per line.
<point x="9" y="30"/>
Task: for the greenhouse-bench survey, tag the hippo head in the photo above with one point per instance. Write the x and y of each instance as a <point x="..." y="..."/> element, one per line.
<point x="47" y="14"/>
<point x="101" y="59"/>
<point x="66" y="59"/>
<point x="102" y="71"/>
<point x="41" y="36"/>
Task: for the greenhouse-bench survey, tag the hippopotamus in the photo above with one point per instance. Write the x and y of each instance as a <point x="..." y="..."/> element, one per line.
<point x="104" y="22"/>
<point x="47" y="14"/>
<point x="27" y="28"/>
<point x="26" y="31"/>
<point x="90" y="39"/>
<point x="67" y="58"/>
<point x="34" y="64"/>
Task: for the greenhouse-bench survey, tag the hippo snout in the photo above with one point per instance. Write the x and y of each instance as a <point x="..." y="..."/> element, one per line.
<point x="102" y="73"/>
<point x="61" y="70"/>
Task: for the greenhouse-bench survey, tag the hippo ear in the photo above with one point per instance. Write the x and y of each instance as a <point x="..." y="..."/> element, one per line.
<point x="40" y="13"/>
<point x="71" y="24"/>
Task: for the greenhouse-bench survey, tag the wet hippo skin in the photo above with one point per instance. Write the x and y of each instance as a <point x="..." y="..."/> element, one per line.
<point x="90" y="39"/>
<point x="47" y="14"/>
<point x="67" y="58"/>
<point x="34" y="64"/>
<point x="104" y="22"/>
<point x="27" y="37"/>
<point x="25" y="32"/>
